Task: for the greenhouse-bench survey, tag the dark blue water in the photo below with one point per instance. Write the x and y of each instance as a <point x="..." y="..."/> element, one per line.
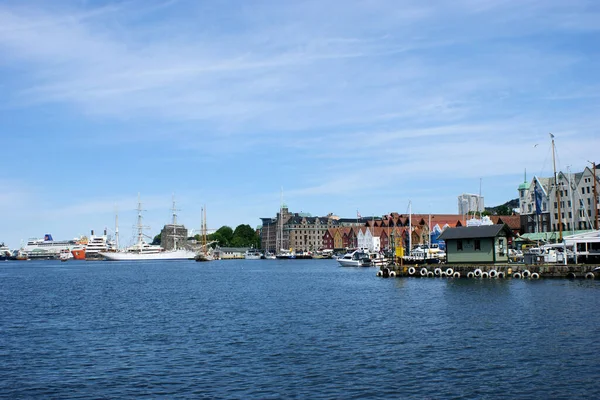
<point x="290" y="329"/>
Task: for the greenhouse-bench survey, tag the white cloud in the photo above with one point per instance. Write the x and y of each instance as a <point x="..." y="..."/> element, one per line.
<point x="320" y="97"/>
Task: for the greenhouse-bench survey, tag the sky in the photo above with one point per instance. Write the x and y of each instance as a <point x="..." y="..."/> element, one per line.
<point x="335" y="106"/>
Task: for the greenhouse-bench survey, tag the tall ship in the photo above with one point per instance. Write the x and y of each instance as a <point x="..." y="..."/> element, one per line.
<point x="143" y="251"/>
<point x="47" y="248"/>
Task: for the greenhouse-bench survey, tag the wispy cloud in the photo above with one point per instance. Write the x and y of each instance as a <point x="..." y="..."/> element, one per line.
<point x="320" y="97"/>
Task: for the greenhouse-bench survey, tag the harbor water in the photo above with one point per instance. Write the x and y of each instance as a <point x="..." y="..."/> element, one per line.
<point x="290" y="329"/>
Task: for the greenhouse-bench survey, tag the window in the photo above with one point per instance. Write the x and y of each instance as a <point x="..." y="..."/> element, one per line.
<point x="555" y="204"/>
<point x="570" y="214"/>
<point x="459" y="245"/>
<point x="477" y="244"/>
<point x="569" y="203"/>
<point x="588" y="189"/>
<point x="543" y="206"/>
<point x="582" y="190"/>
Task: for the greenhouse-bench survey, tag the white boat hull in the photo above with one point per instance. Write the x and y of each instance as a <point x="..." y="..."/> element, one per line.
<point x="348" y="263"/>
<point x="163" y="255"/>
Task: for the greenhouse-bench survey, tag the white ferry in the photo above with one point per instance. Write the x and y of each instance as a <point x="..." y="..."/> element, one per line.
<point x="47" y="248"/>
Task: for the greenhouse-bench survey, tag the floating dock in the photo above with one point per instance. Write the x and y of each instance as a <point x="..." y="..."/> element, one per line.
<point x="491" y="271"/>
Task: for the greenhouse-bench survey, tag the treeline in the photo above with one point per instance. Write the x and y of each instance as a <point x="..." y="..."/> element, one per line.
<point x="242" y="236"/>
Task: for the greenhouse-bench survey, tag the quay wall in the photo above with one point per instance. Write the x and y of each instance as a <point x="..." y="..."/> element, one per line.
<point x="511" y="270"/>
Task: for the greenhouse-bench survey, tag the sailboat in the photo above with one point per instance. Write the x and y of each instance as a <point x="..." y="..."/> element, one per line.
<point x="204" y="254"/>
<point x="143" y="251"/>
<point x="268" y="255"/>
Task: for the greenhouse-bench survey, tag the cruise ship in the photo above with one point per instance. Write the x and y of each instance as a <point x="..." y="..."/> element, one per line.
<point x="47" y="248"/>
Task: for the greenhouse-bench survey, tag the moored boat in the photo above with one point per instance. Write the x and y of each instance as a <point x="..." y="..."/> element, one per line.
<point x="47" y="248"/>
<point x="252" y="254"/>
<point x="78" y="252"/>
<point x="4" y="252"/>
<point x="354" y="259"/>
<point x="143" y="251"/>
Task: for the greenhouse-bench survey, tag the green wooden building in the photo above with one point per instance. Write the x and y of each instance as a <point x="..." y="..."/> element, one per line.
<point x="477" y="244"/>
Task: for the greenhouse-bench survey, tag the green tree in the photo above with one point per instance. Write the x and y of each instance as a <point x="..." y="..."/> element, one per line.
<point x="223" y="236"/>
<point x="504" y="210"/>
<point x="245" y="236"/>
<point x="156" y="239"/>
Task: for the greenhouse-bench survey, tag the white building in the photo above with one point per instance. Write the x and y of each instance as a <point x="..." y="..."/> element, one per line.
<point x="470" y="203"/>
<point x="366" y="240"/>
<point x="578" y="208"/>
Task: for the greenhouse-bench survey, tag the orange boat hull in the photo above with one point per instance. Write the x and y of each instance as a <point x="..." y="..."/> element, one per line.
<point x="78" y="254"/>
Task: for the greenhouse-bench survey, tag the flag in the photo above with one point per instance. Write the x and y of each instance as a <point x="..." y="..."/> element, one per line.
<point x="358" y="215"/>
<point x="538" y="198"/>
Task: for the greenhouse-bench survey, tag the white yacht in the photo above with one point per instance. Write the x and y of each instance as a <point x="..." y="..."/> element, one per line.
<point x="353" y="259"/>
<point x="252" y="254"/>
<point x="97" y="245"/>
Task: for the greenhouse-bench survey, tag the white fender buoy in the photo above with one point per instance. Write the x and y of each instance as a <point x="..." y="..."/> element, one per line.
<point x="501" y="275"/>
<point x="478" y="272"/>
<point x="526" y="274"/>
<point x="449" y="272"/>
<point x="571" y="275"/>
<point x="412" y="270"/>
<point x="423" y="272"/>
<point x="485" y="275"/>
<point x="443" y="274"/>
<point x="589" y="275"/>
<point x="493" y="273"/>
<point x="430" y="274"/>
<point x="437" y="271"/>
<point x="470" y="274"/>
<point x="456" y="274"/>
<point x="379" y="273"/>
<point x="517" y="275"/>
<point x="535" y="275"/>
<point x="393" y="274"/>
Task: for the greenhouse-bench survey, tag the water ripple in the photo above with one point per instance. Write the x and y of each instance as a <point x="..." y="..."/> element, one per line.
<point x="302" y="329"/>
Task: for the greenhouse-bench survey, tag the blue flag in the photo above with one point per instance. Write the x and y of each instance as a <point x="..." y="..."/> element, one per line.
<point x="538" y="198"/>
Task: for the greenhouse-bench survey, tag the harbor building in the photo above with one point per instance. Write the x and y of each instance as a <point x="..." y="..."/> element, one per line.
<point x="572" y="200"/>
<point x="470" y="203"/>
<point x="477" y="244"/>
<point x="302" y="232"/>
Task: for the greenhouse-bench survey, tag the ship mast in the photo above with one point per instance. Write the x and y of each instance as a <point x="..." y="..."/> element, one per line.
<point x="556" y="192"/>
<point x="203" y="230"/>
<point x="409" y="227"/>
<point x="174" y="210"/>
<point x="116" y="227"/>
<point x="140" y="226"/>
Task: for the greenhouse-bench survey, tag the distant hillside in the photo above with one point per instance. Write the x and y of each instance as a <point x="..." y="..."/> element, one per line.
<point x="503" y="209"/>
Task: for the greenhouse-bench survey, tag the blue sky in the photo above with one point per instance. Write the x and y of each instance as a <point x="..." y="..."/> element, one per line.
<point x="346" y="105"/>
